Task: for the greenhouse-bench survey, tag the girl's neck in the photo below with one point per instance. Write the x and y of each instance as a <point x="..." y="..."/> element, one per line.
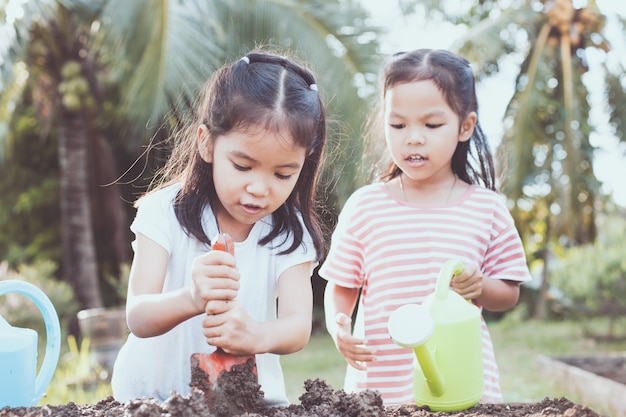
<point x="226" y="224"/>
<point x="439" y="193"/>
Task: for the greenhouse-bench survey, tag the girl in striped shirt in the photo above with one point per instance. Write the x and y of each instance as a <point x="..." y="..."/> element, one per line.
<point x="435" y="202"/>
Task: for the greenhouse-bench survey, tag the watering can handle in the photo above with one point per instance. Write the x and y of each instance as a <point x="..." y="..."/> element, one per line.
<point x="448" y="270"/>
<point x="53" y="330"/>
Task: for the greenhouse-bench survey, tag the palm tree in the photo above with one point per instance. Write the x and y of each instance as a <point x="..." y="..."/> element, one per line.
<point x="157" y="54"/>
<point x="550" y="182"/>
<point x="54" y="51"/>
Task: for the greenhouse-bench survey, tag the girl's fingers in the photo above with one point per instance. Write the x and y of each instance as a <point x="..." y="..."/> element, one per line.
<point x="219" y="306"/>
<point x="356" y="365"/>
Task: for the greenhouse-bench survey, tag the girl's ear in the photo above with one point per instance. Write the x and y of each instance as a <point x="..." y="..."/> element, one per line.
<point x="204" y="144"/>
<point x="467" y="127"/>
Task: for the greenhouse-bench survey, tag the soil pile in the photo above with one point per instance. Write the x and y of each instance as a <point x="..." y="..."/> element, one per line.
<point x="318" y="400"/>
<point x="239" y="390"/>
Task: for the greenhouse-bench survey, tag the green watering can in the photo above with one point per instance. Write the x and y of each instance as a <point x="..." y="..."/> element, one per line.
<point x="445" y="334"/>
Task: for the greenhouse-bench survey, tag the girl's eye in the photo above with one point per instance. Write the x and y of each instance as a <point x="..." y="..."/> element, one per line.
<point x="433" y="125"/>
<point x="240" y="167"/>
<point x="398" y="125"/>
<point x="283" y="177"/>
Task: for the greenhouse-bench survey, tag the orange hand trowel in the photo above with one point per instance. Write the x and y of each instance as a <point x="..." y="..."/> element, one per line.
<point x="207" y="369"/>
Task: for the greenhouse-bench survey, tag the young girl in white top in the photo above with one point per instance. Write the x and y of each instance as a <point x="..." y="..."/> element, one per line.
<point x="247" y="166"/>
<point x="436" y="202"/>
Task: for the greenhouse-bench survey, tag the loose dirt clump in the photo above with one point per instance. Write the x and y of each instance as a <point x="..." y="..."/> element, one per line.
<point x="232" y="393"/>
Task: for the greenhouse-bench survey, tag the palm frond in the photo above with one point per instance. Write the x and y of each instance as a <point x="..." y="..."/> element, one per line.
<point x="487" y="42"/>
<point x="166" y="52"/>
<point x="523" y="109"/>
<point x="14" y="36"/>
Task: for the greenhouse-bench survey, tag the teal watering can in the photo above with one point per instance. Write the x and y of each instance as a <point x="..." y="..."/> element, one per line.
<point x="20" y="384"/>
<point x="445" y="334"/>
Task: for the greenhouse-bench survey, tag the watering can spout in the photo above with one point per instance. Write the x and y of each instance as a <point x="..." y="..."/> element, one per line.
<point x="405" y="333"/>
<point x="434" y="379"/>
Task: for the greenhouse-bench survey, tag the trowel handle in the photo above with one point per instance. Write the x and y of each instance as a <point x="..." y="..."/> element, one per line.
<point x="447" y="271"/>
<point x="223" y="242"/>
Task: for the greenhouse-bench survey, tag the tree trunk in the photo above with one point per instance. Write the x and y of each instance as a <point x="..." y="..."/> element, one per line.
<point x="108" y="214"/>
<point x="79" y="254"/>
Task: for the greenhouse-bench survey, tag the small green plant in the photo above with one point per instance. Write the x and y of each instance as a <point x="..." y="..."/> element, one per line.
<point x="119" y="284"/>
<point x="78" y="378"/>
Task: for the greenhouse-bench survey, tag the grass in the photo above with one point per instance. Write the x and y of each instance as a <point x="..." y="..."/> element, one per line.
<point x="319" y="359"/>
<point x="78" y="377"/>
<point x="516" y="343"/>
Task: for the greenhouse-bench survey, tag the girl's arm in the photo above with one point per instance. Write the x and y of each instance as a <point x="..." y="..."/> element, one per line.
<point x="339" y="304"/>
<point x="491" y="294"/>
<point x="498" y="294"/>
<point x="149" y="311"/>
<point x="292" y="329"/>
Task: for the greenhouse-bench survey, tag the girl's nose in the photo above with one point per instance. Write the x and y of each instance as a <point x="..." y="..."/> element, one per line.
<point x="258" y="189"/>
<point x="414" y="137"/>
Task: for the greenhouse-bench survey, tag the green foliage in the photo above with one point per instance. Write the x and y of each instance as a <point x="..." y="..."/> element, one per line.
<point x="78" y="377"/>
<point x="594" y="276"/>
<point x="118" y="284"/>
<point x="30" y="187"/>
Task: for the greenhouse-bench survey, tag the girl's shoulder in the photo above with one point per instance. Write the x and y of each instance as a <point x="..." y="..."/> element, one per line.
<point x="485" y="202"/>
<point x="160" y="196"/>
<point x="369" y="200"/>
<point x="373" y="191"/>
<point x="480" y="194"/>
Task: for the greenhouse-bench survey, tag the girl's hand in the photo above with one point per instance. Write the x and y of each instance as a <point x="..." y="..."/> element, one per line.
<point x="353" y="349"/>
<point x="469" y="283"/>
<point x="214" y="277"/>
<point x="228" y="325"/>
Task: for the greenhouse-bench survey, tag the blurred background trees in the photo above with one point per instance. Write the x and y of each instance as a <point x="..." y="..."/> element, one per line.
<point x="86" y="85"/>
<point x="90" y="83"/>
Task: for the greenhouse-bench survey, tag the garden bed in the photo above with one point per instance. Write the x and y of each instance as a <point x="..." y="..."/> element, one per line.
<point x="599" y="380"/>
<point x="319" y="399"/>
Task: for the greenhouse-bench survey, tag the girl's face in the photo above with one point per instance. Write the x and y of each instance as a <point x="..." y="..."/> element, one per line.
<point x="422" y="131"/>
<point x="254" y="172"/>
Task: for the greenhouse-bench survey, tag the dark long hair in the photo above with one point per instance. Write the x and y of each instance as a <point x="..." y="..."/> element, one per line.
<point x="266" y="90"/>
<point x="472" y="160"/>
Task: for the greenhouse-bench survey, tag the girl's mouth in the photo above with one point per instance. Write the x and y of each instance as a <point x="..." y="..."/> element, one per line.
<point x="415" y="158"/>
<point x="251" y="209"/>
<point x="416" y="161"/>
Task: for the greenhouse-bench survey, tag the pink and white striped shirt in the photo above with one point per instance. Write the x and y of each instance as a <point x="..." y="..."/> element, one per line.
<point x="393" y="250"/>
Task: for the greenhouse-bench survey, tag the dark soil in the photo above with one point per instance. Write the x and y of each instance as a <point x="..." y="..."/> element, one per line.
<point x="605" y="366"/>
<point x="318" y="400"/>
